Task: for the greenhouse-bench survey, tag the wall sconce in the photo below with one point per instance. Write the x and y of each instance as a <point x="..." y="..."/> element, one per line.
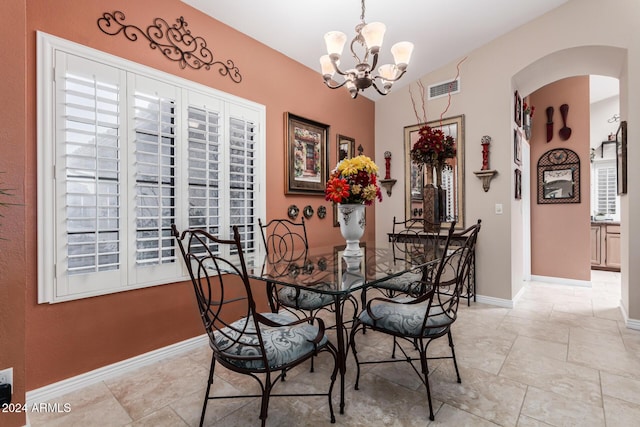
<point x="485" y="174"/>
<point x="387" y="182"/>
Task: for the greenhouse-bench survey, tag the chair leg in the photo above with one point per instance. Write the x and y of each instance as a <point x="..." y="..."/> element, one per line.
<point x="453" y="354"/>
<point x="206" y="394"/>
<point x="264" y="405"/>
<point x="425" y="371"/>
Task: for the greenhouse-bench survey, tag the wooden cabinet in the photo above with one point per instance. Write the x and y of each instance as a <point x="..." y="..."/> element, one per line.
<point x="605" y="246"/>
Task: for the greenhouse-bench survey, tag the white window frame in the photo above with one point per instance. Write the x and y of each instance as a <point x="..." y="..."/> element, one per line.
<point x="597" y="165"/>
<point x="51" y="206"/>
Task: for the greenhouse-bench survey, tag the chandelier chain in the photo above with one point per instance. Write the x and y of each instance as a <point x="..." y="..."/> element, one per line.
<point x="362" y="15"/>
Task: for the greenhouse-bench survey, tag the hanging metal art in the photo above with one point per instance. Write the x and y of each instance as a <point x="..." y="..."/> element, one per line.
<point x="174" y="42"/>
<point x="559" y="177"/>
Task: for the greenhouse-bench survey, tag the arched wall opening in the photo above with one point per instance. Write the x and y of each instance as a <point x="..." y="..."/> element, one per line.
<point x="548" y="70"/>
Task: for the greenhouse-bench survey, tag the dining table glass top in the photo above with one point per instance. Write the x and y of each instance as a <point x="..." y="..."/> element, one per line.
<point x="326" y="270"/>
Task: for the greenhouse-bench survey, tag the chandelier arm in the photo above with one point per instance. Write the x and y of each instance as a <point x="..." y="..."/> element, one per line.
<point x="353" y="51"/>
<point x="338" y="70"/>
<point x="373" y="83"/>
<point x="327" y="82"/>
<point x="375" y="62"/>
<point x="391" y="80"/>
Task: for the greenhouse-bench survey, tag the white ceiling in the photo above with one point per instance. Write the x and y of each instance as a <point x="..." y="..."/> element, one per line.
<point x="441" y="30"/>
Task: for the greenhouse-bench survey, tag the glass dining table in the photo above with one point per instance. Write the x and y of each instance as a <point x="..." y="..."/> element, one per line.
<point x="326" y="271"/>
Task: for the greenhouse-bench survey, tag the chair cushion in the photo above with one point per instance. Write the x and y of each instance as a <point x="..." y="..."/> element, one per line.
<point x="303" y="299"/>
<point x="407" y="319"/>
<point x="282" y="344"/>
<point x="406" y="282"/>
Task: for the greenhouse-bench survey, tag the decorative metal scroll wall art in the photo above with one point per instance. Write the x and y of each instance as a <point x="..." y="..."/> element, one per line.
<point x="174" y="42"/>
<point x="559" y="177"/>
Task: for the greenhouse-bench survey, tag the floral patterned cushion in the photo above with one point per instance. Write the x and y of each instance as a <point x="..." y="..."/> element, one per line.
<point x="283" y="344"/>
<point x="302" y="299"/>
<point x="407" y="319"/>
<point x="406" y="282"/>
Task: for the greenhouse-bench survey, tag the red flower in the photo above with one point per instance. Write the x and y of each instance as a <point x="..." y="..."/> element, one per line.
<point x="337" y="189"/>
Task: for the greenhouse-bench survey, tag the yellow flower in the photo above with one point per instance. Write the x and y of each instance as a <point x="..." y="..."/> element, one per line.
<point x="355" y="189"/>
<point x="369" y="192"/>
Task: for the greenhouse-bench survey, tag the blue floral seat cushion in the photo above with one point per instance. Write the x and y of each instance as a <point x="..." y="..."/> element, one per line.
<point x="282" y="344"/>
<point x="303" y="299"/>
<point x="406" y="282"/>
<point x="407" y="319"/>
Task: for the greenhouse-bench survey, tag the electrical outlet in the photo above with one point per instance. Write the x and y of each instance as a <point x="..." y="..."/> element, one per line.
<point x="6" y="376"/>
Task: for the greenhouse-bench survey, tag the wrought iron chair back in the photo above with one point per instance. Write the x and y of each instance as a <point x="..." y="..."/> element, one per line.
<point x="220" y="300"/>
<point x="284" y="240"/>
<point x="451" y="275"/>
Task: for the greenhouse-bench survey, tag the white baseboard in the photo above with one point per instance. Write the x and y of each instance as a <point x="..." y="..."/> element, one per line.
<point x="630" y="323"/>
<point x="500" y="302"/>
<point x="561" y="281"/>
<point x="51" y="391"/>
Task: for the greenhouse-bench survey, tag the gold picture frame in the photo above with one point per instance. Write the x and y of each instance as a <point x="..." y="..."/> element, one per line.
<point x="306" y="155"/>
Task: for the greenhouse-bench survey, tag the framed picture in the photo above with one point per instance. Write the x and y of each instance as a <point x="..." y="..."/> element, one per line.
<point x="621" y="157"/>
<point x="518" y="184"/>
<point x="417" y="177"/>
<point x="517" y="107"/>
<point x="517" y="147"/>
<point x="346" y="147"/>
<point x="306" y="155"/>
<point x="559" y="177"/>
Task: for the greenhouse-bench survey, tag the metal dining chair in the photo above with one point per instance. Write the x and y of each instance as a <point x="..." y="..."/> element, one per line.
<point x="418" y="321"/>
<point x="263" y="346"/>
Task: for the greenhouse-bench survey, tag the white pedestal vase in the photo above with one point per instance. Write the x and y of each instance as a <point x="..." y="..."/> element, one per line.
<point x="352" y="222"/>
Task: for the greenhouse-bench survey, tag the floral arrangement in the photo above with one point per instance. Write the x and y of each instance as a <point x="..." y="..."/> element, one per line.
<point x="354" y="180"/>
<point x="529" y="109"/>
<point x="433" y="147"/>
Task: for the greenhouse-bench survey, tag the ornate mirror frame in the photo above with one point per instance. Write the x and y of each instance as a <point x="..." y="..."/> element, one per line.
<point x="414" y="180"/>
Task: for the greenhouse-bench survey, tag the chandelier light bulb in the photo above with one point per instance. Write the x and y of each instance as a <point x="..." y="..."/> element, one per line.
<point x="335" y="41"/>
<point x="388" y="72"/>
<point x="328" y="70"/>
<point x="402" y="54"/>
<point x="373" y="35"/>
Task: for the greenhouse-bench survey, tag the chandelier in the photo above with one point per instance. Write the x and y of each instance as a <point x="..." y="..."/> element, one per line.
<point x="359" y="78"/>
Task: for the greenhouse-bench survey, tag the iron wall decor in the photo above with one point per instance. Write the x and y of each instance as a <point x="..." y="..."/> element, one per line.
<point x="306" y="155"/>
<point x="559" y="177"/>
<point x="175" y="42"/>
<point x="621" y="157"/>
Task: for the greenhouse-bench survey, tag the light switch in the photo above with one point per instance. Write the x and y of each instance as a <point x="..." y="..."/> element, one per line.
<point x="498" y="208"/>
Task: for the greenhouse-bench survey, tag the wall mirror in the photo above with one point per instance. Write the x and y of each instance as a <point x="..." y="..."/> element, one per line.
<point x="452" y="178"/>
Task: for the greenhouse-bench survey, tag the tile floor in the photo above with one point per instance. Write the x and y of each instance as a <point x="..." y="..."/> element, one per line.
<point x="561" y="357"/>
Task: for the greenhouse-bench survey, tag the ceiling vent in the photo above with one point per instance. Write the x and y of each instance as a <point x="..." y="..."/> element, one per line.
<point x="443" y="89"/>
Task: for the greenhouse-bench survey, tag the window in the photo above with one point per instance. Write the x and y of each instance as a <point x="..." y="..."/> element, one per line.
<point x="132" y="151"/>
<point x="605" y="198"/>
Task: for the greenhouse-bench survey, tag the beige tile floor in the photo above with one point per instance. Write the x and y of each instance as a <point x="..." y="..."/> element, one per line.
<point x="561" y="357"/>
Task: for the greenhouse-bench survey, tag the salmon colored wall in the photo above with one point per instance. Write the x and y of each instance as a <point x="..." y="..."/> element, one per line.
<point x="14" y="274"/>
<point x="560" y="240"/>
<point x="70" y="338"/>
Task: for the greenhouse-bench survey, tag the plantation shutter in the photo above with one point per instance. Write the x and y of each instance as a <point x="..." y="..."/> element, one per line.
<point x="154" y="126"/>
<point x="606" y="189"/>
<point x="242" y="135"/>
<point x="205" y="164"/>
<point x="88" y="174"/>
